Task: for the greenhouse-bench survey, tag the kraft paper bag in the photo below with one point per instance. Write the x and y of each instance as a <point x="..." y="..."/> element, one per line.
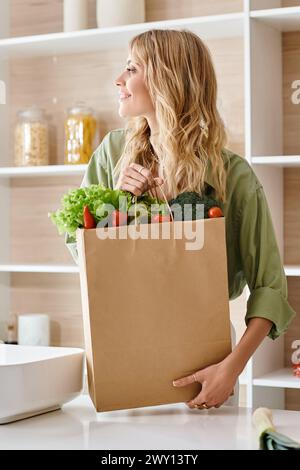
<point x="153" y="311"/>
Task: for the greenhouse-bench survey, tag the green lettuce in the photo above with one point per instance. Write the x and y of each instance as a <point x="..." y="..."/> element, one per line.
<point x="69" y="217"/>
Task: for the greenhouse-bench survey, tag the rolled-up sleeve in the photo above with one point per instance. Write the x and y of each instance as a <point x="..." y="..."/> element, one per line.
<point x="262" y="265"/>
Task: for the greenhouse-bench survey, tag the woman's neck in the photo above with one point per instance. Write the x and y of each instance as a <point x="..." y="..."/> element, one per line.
<point x="153" y="138"/>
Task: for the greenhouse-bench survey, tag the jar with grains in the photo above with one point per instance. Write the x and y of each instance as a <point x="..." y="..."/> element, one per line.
<point x="80" y="133"/>
<point x="31" y="137"/>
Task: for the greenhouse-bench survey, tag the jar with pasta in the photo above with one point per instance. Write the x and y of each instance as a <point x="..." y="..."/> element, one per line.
<point x="31" y="138"/>
<point x="80" y="133"/>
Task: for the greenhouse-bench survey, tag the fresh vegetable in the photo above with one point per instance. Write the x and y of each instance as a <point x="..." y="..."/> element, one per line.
<point x="101" y="203"/>
<point x="296" y="370"/>
<point x="88" y="219"/>
<point x="158" y="218"/>
<point x="269" y="437"/>
<point x="87" y="206"/>
<point x="118" y="218"/>
<point x="215" y="212"/>
<point x="192" y="199"/>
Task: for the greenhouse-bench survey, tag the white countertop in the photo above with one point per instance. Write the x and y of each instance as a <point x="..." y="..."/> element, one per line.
<point x="170" y="427"/>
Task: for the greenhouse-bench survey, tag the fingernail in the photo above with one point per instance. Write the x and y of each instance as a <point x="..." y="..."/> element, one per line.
<point x="175" y="383"/>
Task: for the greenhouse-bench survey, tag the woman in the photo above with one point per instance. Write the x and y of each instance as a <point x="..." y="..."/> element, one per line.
<point x="175" y="140"/>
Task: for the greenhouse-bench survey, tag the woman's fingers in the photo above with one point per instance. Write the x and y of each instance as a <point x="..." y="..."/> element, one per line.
<point x="144" y="172"/>
<point x="184" y="381"/>
<point x="139" y="179"/>
<point x="189" y="379"/>
<point x="131" y="188"/>
<point x="199" y="400"/>
<point x="130" y="172"/>
<point x="133" y="182"/>
<point x="158" y="182"/>
<point x="200" y="406"/>
<point x="202" y="400"/>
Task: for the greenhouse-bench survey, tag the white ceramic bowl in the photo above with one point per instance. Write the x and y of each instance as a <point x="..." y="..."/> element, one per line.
<point x="37" y="379"/>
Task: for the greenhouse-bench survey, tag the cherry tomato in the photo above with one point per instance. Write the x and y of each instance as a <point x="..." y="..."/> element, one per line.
<point x="215" y="212"/>
<point x="118" y="218"/>
<point x="88" y="219"/>
<point x="296" y="368"/>
<point x="158" y="218"/>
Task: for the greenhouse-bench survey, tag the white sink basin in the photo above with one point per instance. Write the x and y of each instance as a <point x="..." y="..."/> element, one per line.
<point x="37" y="379"/>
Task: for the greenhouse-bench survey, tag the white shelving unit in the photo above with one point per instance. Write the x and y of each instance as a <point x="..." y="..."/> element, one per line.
<point x="47" y="170"/>
<point x="278" y="161"/>
<point x="38" y="268"/>
<point x="265" y="377"/>
<point x="292" y="270"/>
<point x="281" y="378"/>
<point x="283" y="19"/>
<point x="209" y="27"/>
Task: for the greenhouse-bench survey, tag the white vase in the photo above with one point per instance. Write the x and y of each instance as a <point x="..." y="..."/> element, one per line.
<point x="75" y="15"/>
<point x="120" y="12"/>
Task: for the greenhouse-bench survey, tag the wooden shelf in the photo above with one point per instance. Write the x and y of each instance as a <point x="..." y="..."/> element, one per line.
<point x="283" y="19"/>
<point x="71" y="170"/>
<point x="48" y="268"/>
<point x="281" y="161"/>
<point x="281" y="378"/>
<point x="39" y="268"/>
<point x="208" y="27"/>
<point x="47" y="170"/>
<point x="291" y="270"/>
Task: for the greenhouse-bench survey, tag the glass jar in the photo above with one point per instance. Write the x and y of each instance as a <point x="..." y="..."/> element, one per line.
<point x="80" y="133"/>
<point x="31" y="137"/>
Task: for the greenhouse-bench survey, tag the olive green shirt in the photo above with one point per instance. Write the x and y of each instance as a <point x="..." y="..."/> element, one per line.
<point x="253" y="256"/>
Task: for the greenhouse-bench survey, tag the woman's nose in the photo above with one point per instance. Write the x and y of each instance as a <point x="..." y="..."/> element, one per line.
<point x="120" y="81"/>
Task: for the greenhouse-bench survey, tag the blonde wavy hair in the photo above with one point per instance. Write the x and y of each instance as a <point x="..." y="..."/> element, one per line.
<point x="181" y="80"/>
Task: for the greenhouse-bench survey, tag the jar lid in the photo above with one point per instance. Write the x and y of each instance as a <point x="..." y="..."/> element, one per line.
<point x="32" y="112"/>
<point x="80" y="107"/>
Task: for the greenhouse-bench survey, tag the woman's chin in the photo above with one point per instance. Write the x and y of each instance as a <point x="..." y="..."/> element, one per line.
<point x="122" y="111"/>
<point x="122" y="114"/>
<point x="126" y="114"/>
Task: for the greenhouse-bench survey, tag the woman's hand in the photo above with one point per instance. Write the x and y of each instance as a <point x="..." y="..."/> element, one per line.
<point x="137" y="180"/>
<point x="217" y="381"/>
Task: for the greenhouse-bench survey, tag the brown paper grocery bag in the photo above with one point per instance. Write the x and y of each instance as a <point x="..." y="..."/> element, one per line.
<point x="153" y="311"/>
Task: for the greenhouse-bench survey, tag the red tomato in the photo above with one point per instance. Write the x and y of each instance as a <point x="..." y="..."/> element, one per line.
<point x="118" y="218"/>
<point x="215" y="212"/>
<point x="88" y="219"/>
<point x="158" y="218"/>
<point x="296" y="368"/>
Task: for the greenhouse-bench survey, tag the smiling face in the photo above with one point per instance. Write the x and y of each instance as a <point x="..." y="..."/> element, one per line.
<point x="134" y="96"/>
